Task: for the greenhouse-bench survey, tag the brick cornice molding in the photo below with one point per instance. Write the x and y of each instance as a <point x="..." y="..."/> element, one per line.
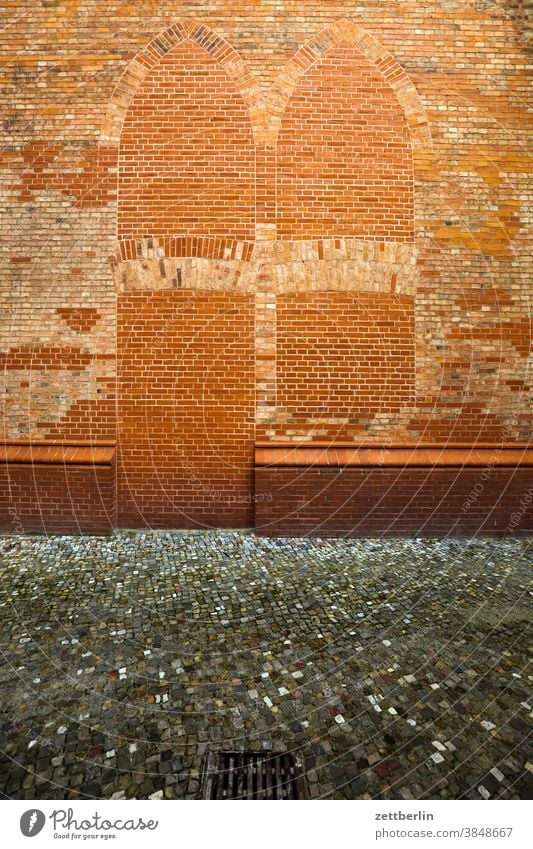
<point x="57" y="453"/>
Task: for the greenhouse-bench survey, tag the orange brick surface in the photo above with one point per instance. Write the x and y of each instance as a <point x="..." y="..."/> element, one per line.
<point x="185" y="410"/>
<point x="353" y="180"/>
<point x="330" y="348"/>
<point x="186" y="152"/>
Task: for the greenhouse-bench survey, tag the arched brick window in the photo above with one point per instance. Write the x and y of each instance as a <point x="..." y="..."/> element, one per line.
<point x="344" y="154"/>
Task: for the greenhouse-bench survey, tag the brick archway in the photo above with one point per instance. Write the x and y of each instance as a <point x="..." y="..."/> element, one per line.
<point x="342" y="221"/>
<point x="178" y="120"/>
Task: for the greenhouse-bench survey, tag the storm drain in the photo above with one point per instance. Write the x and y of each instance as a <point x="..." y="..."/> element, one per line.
<point x="252" y="775"/>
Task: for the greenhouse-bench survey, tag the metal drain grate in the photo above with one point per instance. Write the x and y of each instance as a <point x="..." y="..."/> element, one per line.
<point x="252" y="775"/>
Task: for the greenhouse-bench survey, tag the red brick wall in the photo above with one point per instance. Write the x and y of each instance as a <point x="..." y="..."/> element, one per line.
<point x="57" y="499"/>
<point x="344" y="154"/>
<point x="186" y="162"/>
<point x="377" y="502"/>
<point x="28" y="369"/>
<point x="472" y="183"/>
<point x="186" y="409"/>
<point x="400" y="168"/>
<point x="344" y="357"/>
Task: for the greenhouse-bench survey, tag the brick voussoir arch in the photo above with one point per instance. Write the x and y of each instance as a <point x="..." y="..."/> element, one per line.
<point x="151" y="55"/>
<point x="345" y="31"/>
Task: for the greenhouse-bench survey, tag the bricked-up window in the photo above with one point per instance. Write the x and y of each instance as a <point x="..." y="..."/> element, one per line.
<point x="186" y="409"/>
<point x="344" y="154"/>
<point x="186" y="161"/>
<point x="342" y="357"/>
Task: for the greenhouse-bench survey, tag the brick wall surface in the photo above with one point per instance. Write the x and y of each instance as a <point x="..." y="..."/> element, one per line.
<point x="392" y="502"/>
<point x="267" y="152"/>
<point x="342" y="359"/>
<point x="186" y="161"/>
<point x="344" y="154"/>
<point x="186" y="409"/>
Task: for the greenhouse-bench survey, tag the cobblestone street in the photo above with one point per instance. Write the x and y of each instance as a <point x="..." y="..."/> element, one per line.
<point x="392" y="669"/>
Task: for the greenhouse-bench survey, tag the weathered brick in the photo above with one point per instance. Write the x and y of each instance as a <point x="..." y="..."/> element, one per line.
<point x="353" y="179"/>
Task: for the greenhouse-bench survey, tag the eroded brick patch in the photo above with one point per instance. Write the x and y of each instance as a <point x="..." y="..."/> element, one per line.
<point x="80" y="319"/>
<point x="48" y="357"/>
<point x="87" y="174"/>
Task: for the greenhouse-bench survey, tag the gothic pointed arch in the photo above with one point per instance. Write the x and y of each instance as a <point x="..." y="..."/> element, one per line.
<point x="346" y="122"/>
<point x="152" y="54"/>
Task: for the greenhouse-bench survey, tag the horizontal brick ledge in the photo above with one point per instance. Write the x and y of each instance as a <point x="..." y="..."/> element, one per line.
<point x="57" y="454"/>
<point x="425" y="456"/>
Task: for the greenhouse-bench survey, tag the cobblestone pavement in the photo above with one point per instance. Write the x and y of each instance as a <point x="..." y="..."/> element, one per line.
<point x="393" y="669"/>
